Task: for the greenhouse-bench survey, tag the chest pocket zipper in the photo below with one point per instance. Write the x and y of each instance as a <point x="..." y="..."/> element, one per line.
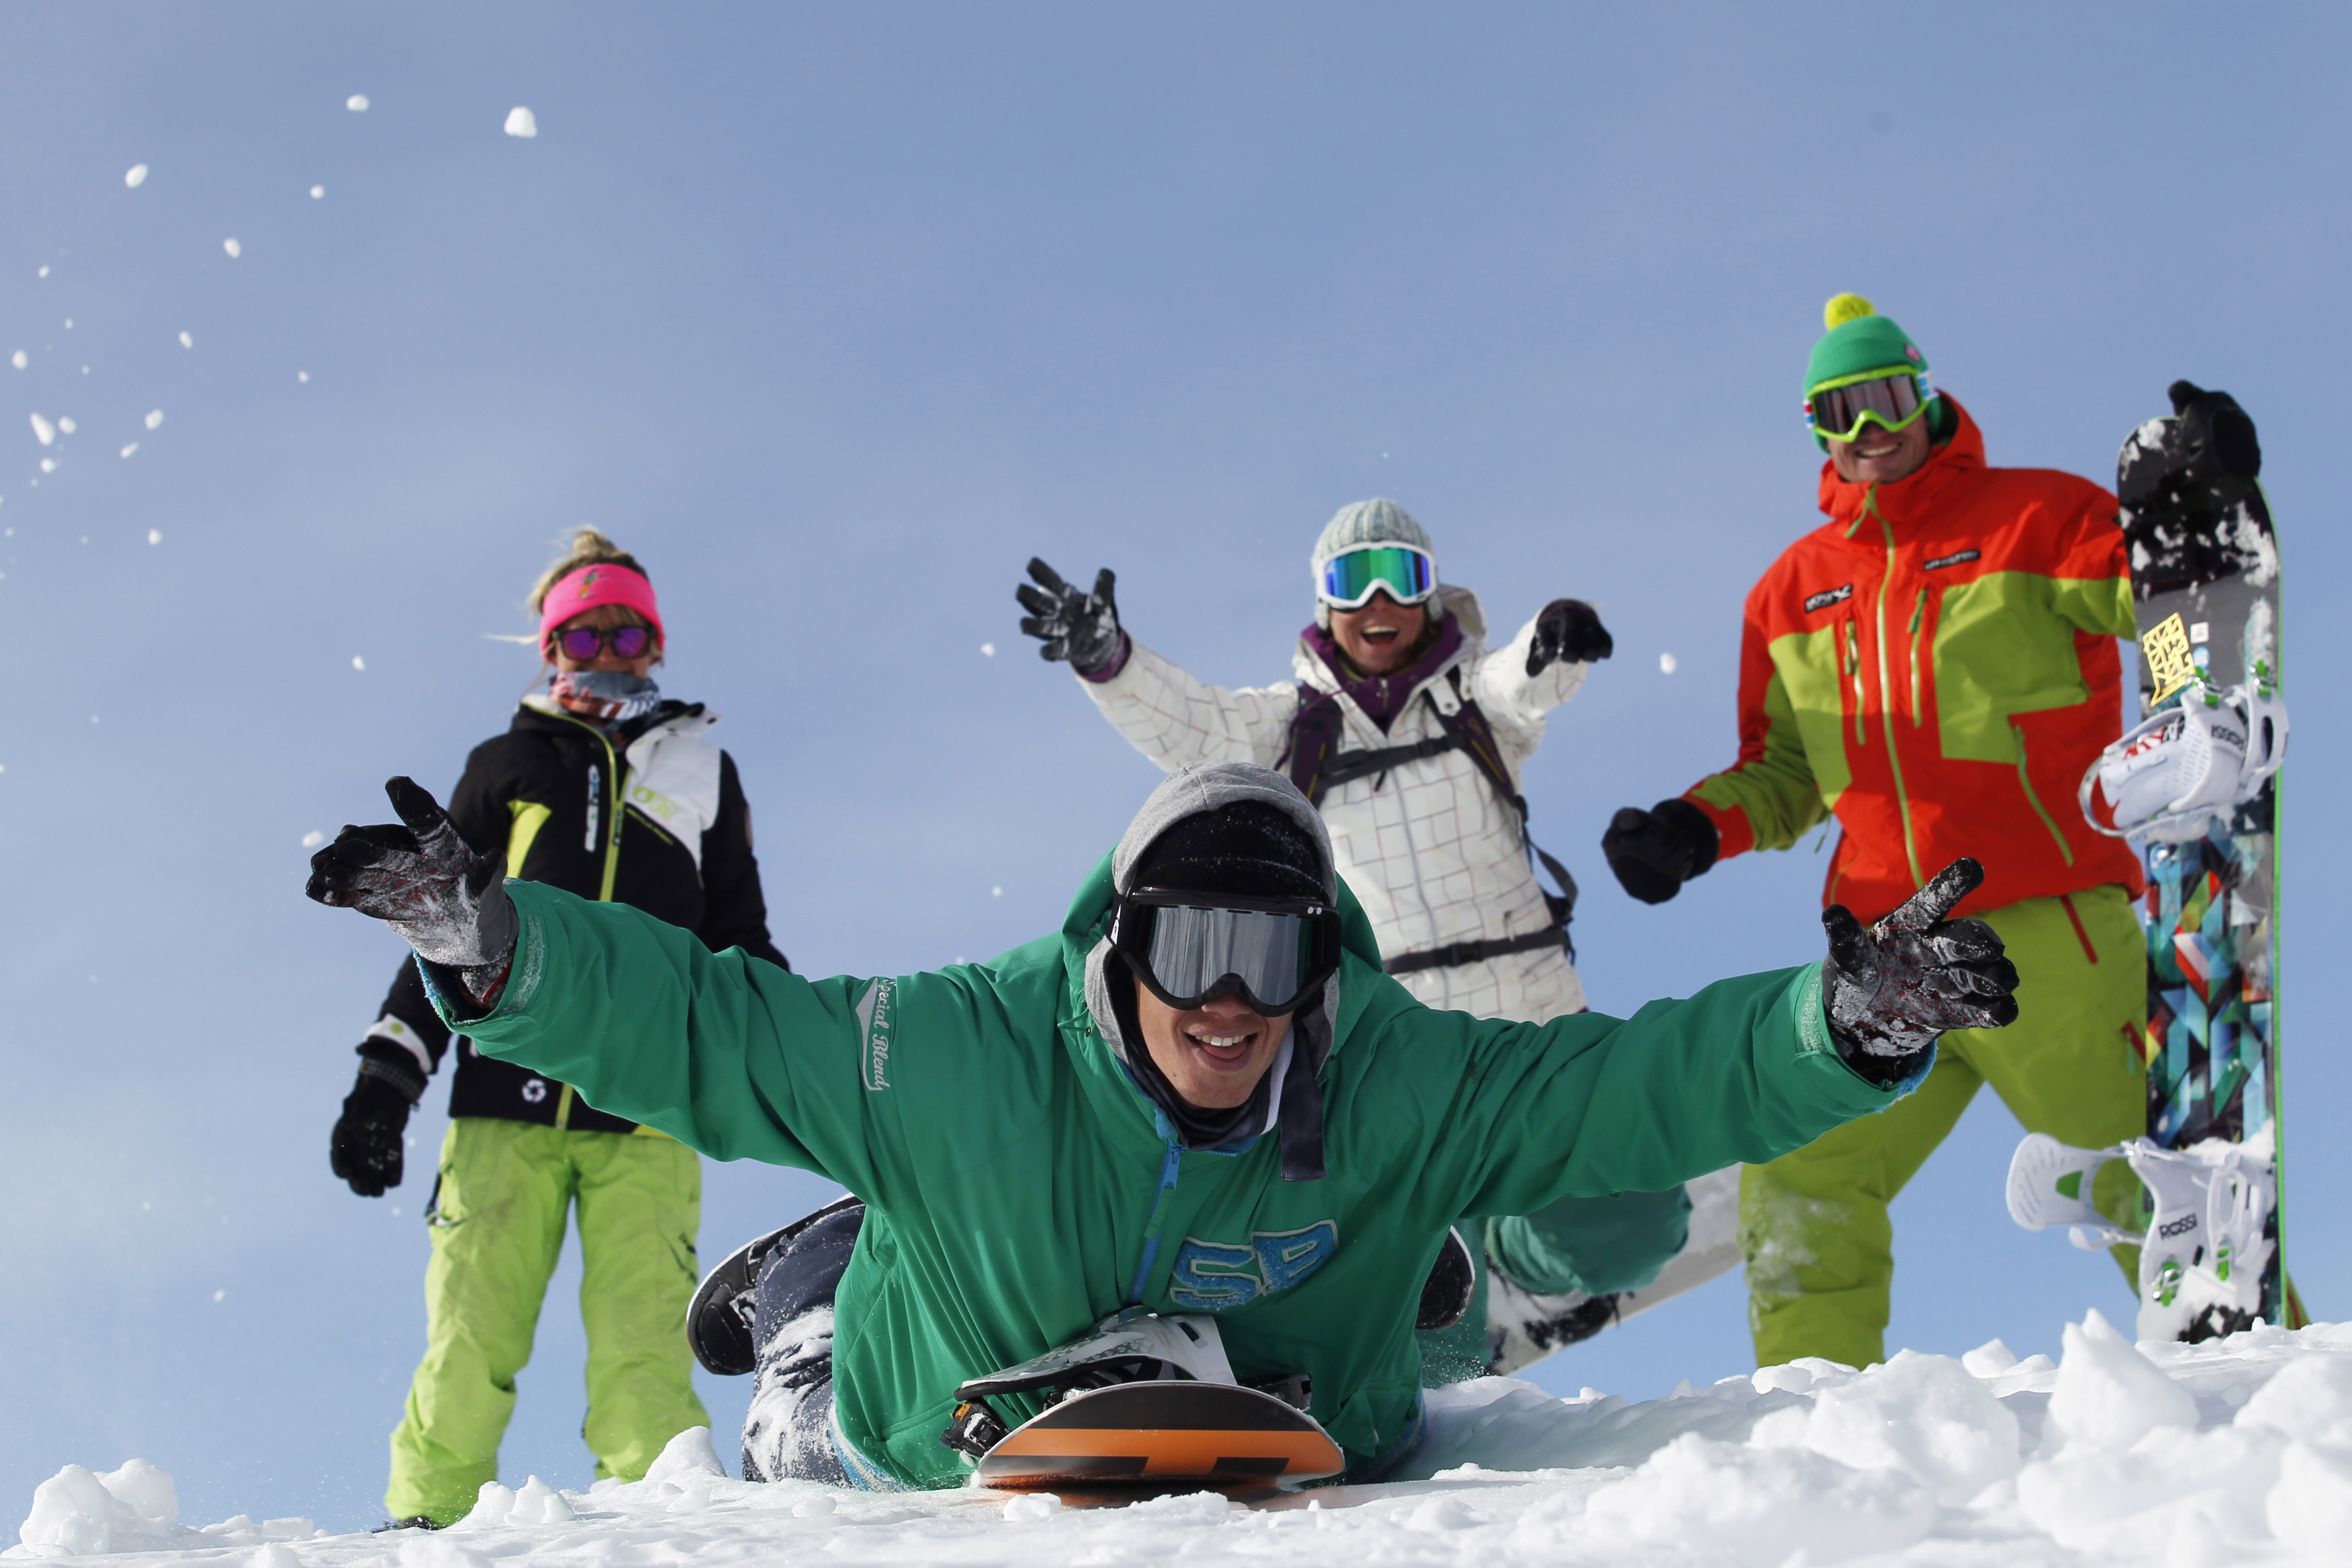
<point x="1854" y="674"/>
<point x="1918" y="620"/>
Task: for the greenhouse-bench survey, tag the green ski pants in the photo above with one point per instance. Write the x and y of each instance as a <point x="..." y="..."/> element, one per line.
<point x="1814" y="1223"/>
<point x="497" y="1226"/>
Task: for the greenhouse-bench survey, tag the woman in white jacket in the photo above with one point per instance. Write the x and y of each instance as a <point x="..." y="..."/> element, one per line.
<point x="1409" y="735"/>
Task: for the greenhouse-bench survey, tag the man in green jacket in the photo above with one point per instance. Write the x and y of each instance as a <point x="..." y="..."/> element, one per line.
<point x="1201" y="1095"/>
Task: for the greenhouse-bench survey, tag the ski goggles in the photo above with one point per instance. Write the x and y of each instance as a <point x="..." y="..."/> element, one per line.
<point x="1274" y="954"/>
<point x="1349" y="579"/>
<point x="581" y="644"/>
<point x="1889" y="398"/>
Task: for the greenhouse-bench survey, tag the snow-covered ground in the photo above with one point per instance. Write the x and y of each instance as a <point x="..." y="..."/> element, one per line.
<point x="2154" y="1456"/>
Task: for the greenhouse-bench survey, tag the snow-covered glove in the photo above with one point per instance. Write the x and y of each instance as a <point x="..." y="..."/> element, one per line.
<point x="1569" y="631"/>
<point x="1893" y="988"/>
<point x="1079" y="626"/>
<point x="422" y="879"/>
<point x="1654" y="852"/>
<point x="366" y="1149"/>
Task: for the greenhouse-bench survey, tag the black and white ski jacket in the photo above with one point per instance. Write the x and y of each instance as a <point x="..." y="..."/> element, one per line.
<point x="651" y="815"/>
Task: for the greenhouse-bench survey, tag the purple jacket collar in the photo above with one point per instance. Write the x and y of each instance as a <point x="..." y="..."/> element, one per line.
<point x="1384" y="696"/>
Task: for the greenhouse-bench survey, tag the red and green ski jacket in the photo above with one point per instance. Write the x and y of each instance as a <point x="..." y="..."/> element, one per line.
<point x="1937" y="665"/>
<point x="1021" y="1187"/>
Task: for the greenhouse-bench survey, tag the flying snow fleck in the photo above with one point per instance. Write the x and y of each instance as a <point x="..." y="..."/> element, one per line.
<point x="49" y="466"/>
<point x="1666" y="662"/>
<point x="154" y="536"/>
<point x="356" y="103"/>
<point x="522" y="122"/>
<point x="69" y="323"/>
<point x="154" y="418"/>
<point x="64" y="425"/>
<point x="44" y="272"/>
<point x="358" y="663"/>
<point x="136" y="177"/>
<point x="233" y="247"/>
<point x="316" y="192"/>
<point x="989" y="648"/>
<point x="18" y="359"/>
<point x="301" y="375"/>
<point x="186" y="341"/>
<point x="130" y="449"/>
<point x="46" y="431"/>
<point x="313" y="838"/>
<point x="996" y="892"/>
<point x="217" y="1295"/>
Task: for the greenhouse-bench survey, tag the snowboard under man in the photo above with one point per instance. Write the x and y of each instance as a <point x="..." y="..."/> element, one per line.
<point x="1200" y="1095"/>
<point x="1409" y="735"/>
<point x="1936" y="666"/>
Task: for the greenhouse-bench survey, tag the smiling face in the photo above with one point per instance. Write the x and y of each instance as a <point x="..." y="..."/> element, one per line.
<point x="1382" y="635"/>
<point x="1879" y="455"/>
<point x="1212" y="1055"/>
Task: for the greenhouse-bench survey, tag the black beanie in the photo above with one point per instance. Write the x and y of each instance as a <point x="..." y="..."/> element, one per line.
<point x="1245" y="846"/>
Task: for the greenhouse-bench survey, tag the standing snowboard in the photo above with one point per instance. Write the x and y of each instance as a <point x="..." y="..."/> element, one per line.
<point x="2196" y="783"/>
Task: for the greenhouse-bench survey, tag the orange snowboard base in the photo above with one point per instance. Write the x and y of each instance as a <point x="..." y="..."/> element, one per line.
<point x="1211" y="1434"/>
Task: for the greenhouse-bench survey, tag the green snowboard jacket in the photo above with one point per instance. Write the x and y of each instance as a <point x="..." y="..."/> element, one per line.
<point x="1020" y="1188"/>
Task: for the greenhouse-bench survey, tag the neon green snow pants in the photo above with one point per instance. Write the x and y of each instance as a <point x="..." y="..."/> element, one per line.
<point x="1814" y="1223"/>
<point x="497" y="1228"/>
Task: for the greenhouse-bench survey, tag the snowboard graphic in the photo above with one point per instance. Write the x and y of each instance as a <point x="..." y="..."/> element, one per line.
<point x="2204" y="766"/>
<point x="1162" y="1436"/>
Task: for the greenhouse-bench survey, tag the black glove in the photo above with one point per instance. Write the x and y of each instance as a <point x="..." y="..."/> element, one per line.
<point x="1893" y="988"/>
<point x="2198" y="464"/>
<point x="1080" y="627"/>
<point x="1654" y="852"/>
<point x="366" y="1149"/>
<point x="1570" y="630"/>
<point x="419" y="877"/>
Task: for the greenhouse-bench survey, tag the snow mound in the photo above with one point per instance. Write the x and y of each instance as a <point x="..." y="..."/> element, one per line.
<point x="2236" y="1451"/>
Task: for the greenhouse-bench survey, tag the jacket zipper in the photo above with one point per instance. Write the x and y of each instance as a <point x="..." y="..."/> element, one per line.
<point x="1918" y="619"/>
<point x="604" y="812"/>
<point x="1854" y="673"/>
<point x="1151" y="1226"/>
<point x="2034" y="800"/>
<point x="1886" y="708"/>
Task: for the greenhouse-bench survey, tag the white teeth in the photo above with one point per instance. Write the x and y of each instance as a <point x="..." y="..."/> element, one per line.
<point x="1220" y="1041"/>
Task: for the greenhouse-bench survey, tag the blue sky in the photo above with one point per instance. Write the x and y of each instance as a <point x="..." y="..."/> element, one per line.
<point x="837" y="315"/>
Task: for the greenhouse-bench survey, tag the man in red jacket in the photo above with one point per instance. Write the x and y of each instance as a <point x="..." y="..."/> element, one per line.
<point x="1935" y="665"/>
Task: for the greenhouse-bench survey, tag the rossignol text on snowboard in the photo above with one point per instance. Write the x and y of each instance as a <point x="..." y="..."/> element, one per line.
<point x="2196" y="784"/>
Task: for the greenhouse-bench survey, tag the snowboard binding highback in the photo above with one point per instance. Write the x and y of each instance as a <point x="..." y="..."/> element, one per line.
<point x="1143" y="1400"/>
<point x="2211" y="1232"/>
<point x="719" y="1318"/>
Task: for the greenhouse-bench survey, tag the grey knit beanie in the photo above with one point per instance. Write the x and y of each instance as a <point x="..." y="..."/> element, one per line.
<point x="1376" y="521"/>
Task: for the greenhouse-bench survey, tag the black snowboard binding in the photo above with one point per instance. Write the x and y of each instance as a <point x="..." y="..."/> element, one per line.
<point x="719" y="1318"/>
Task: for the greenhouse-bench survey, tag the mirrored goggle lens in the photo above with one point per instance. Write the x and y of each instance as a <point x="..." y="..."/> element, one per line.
<point x="1349" y="580"/>
<point x="1193" y="950"/>
<point x="1838" y="411"/>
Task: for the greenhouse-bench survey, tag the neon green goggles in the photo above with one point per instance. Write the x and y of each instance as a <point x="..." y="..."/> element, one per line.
<point x="1892" y="399"/>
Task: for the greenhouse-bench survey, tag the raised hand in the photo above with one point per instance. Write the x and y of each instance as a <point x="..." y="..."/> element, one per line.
<point x="1894" y="987"/>
<point x="1568" y="631"/>
<point x="419" y="877"/>
<point x="1079" y="626"/>
<point x="1654" y="852"/>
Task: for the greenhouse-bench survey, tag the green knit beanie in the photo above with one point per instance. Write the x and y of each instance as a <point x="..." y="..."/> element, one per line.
<point x="1376" y="521"/>
<point x="1859" y="344"/>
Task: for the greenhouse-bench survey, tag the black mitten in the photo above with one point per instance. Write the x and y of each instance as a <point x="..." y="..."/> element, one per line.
<point x="366" y="1147"/>
<point x="422" y="879"/>
<point x="1654" y="852"/>
<point x="1893" y="988"/>
<point x="1568" y="629"/>
<point x="1079" y="626"/>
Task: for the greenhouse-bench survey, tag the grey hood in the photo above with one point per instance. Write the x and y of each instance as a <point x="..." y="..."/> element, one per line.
<point x="1293" y="1102"/>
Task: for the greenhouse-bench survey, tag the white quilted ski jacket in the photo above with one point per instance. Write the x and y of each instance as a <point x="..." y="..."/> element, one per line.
<point x="1432" y="856"/>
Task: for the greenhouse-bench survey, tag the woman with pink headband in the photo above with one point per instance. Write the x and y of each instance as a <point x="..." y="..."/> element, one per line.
<point x="605" y="788"/>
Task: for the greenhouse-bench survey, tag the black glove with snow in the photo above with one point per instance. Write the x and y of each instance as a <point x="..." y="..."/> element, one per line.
<point x="1654" y="852"/>
<point x="1893" y="988"/>
<point x="368" y="1140"/>
<point x="1081" y="627"/>
<point x="422" y="879"/>
<point x="1568" y="631"/>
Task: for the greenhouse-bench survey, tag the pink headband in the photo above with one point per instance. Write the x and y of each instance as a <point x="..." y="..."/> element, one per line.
<point x="602" y="584"/>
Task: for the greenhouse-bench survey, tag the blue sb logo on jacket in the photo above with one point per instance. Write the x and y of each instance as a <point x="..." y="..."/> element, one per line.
<point x="1213" y="1276"/>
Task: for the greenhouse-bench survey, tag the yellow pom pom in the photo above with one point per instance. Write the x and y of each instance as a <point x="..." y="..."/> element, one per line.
<point x="1846" y="308"/>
